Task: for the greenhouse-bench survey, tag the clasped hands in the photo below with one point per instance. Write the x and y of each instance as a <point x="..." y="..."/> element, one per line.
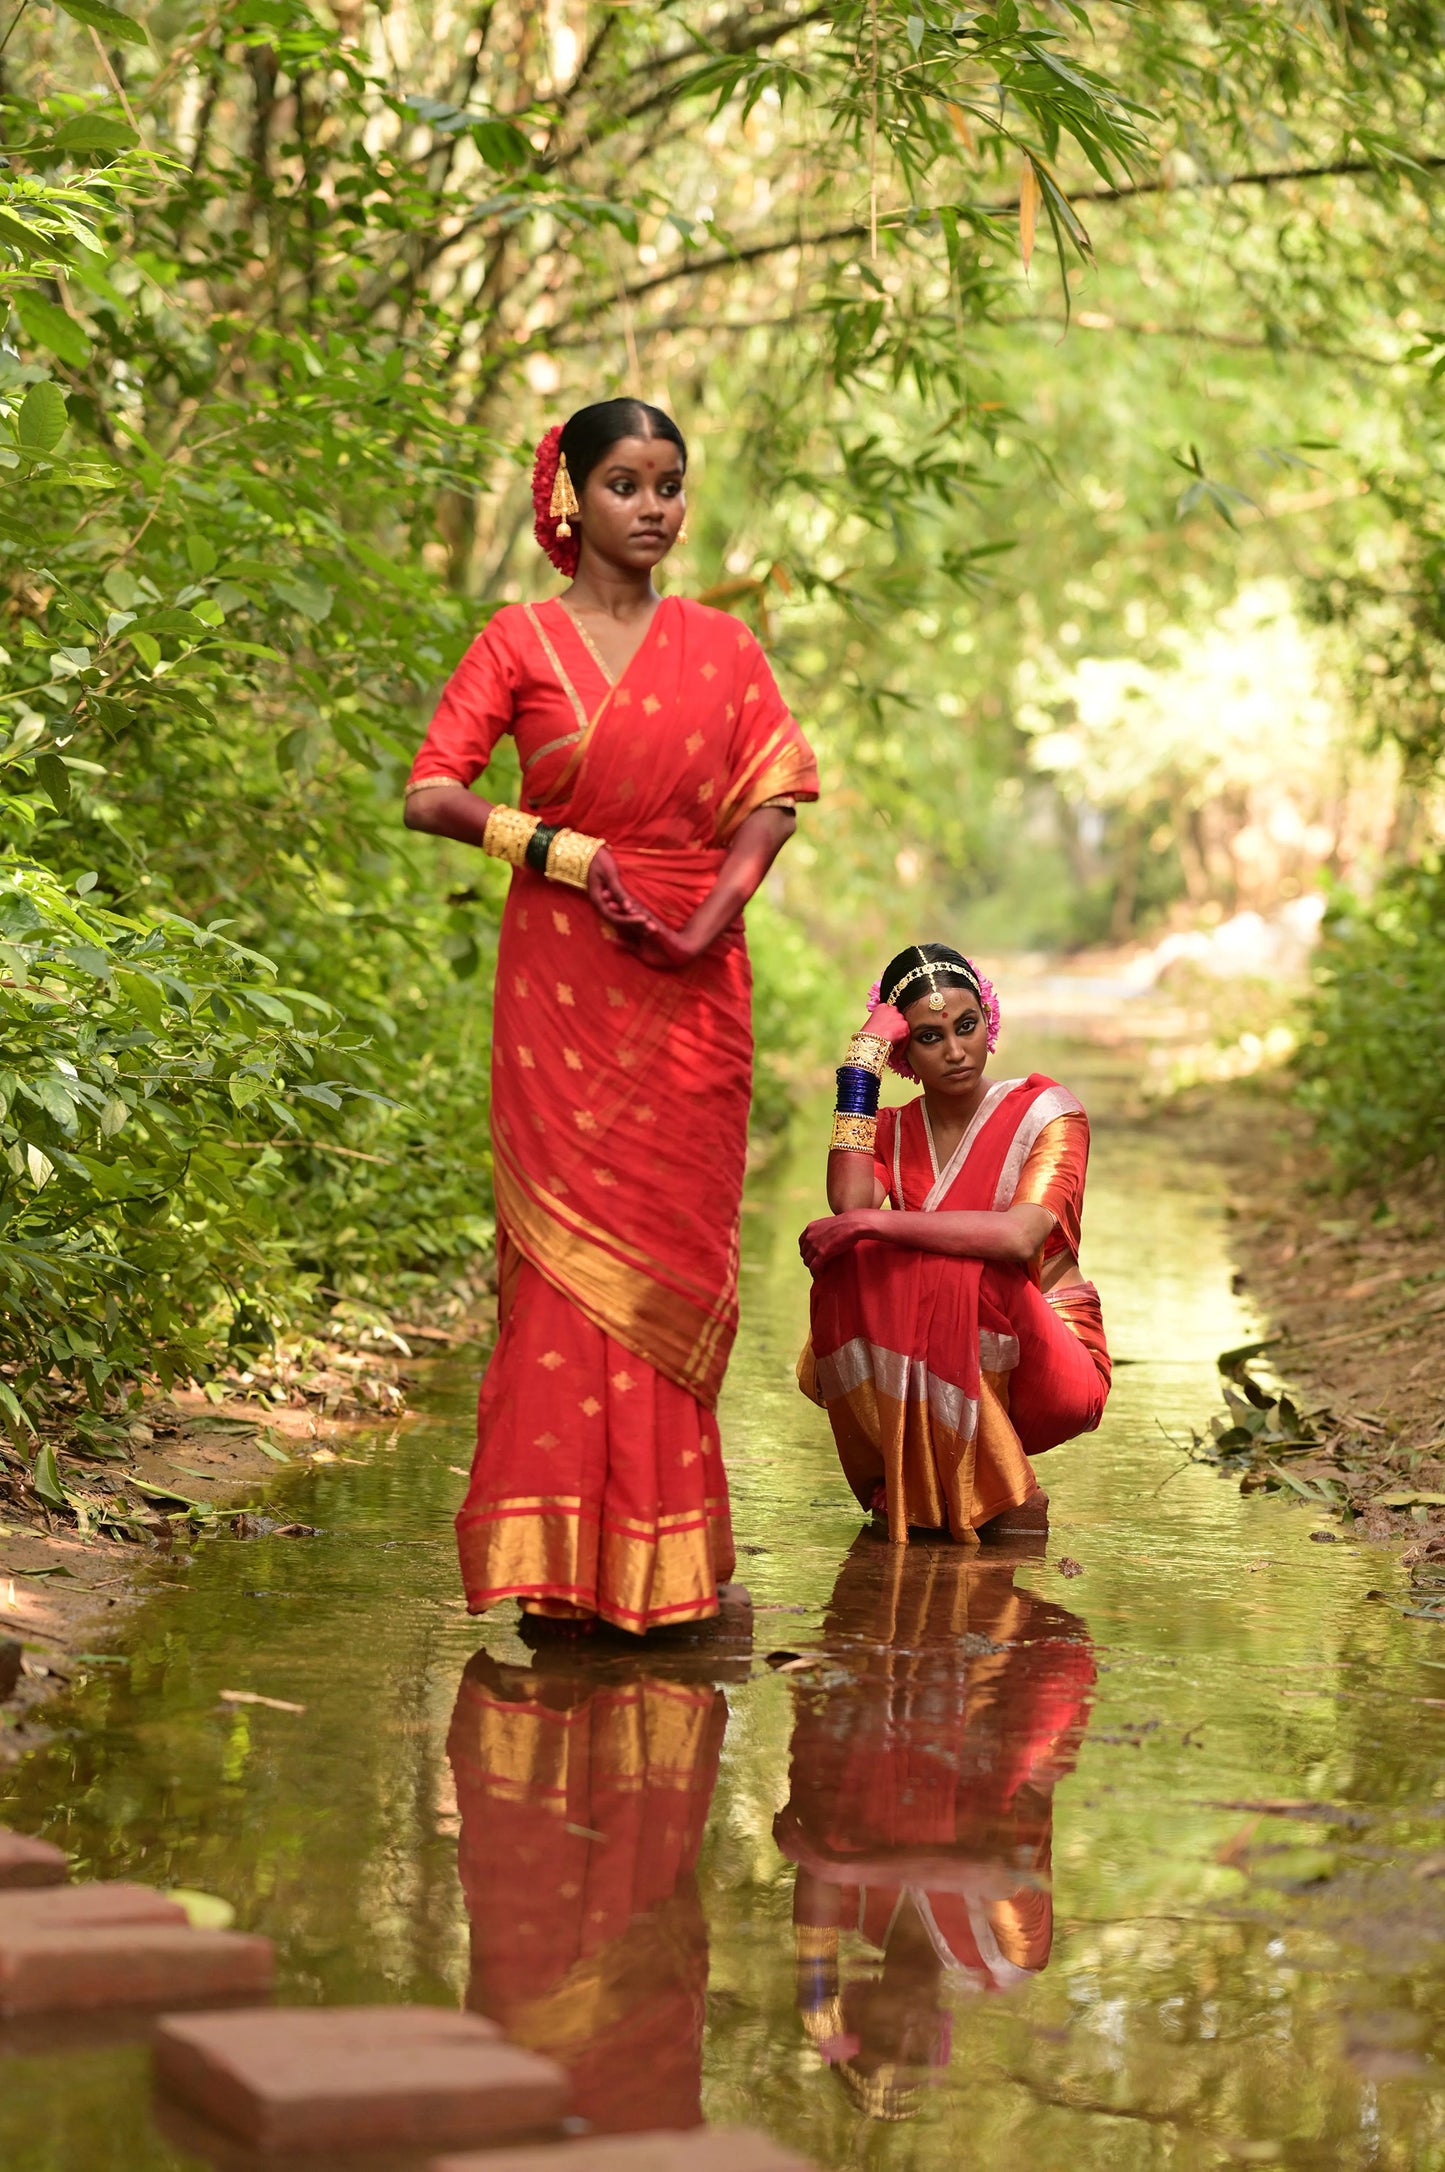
<point x="665" y="949"/>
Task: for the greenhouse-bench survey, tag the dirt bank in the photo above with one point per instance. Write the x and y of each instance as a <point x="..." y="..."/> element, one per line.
<point x="1345" y="1400"/>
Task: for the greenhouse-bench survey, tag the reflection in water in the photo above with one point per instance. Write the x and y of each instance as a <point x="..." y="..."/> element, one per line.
<point x="582" y="1810"/>
<point x="924" y="1759"/>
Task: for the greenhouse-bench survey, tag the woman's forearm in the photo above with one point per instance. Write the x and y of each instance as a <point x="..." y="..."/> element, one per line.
<point x="757" y="844"/>
<point x="852" y="1182"/>
<point x="1012" y="1236"/>
<point x="449" y="810"/>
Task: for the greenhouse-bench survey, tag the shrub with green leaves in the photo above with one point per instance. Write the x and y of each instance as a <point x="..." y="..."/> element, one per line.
<point x="135" y="1055"/>
<point x="1372" y="1060"/>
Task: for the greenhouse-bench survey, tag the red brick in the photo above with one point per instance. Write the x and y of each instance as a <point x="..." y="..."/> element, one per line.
<point x="99" y="1907"/>
<point x="376" y="2077"/>
<point x="701" y="2149"/>
<point x="26" y="1862"/>
<point x="138" y="1964"/>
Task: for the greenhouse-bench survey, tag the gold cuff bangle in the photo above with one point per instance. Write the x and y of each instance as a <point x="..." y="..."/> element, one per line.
<point x="853" y="1134"/>
<point x="508" y="834"/>
<point x="869" y="1052"/>
<point x="569" y="856"/>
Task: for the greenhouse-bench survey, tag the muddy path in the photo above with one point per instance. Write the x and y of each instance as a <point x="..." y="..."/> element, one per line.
<point x="978" y="1861"/>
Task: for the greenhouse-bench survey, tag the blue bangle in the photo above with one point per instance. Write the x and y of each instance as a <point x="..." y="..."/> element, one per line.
<point x="857" y="1091"/>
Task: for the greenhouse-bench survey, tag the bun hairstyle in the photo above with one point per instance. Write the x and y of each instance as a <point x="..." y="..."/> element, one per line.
<point x="582" y="441"/>
<point x="921" y="970"/>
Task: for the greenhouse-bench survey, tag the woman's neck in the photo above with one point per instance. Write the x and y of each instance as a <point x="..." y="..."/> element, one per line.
<point x="949" y="1116"/>
<point x="614" y="591"/>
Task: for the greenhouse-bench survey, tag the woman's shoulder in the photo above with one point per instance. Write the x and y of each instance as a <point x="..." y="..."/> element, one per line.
<point x="709" y="623"/>
<point x="1052" y="1099"/>
<point x="508" y="624"/>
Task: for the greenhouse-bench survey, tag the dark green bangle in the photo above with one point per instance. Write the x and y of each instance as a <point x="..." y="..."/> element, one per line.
<point x="539" y="844"/>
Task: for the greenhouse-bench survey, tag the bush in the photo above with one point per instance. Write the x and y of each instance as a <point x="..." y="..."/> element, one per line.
<point x="138" y="1232"/>
<point x="1372" y="1059"/>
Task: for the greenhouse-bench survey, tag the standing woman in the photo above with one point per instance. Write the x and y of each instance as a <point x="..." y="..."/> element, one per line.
<point x="659" y="773"/>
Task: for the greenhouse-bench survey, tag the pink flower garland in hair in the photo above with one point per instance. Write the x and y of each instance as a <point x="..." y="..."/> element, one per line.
<point x="563" y="550"/>
<point x="988" y="996"/>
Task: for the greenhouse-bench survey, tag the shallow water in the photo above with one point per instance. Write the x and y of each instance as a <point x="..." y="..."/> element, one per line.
<point x="1140" y="1867"/>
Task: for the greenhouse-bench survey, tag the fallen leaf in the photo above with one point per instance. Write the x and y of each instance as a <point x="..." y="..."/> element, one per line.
<point x="1069" y="1567"/>
<point x="1232" y="1852"/>
<point x="251" y="1696"/>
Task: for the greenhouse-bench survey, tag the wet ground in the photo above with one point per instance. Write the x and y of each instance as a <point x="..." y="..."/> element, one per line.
<point x="1143" y="1866"/>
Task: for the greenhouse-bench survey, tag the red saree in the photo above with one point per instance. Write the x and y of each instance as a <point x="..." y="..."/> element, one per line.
<point x="942" y="1376"/>
<point x="619" y="1113"/>
<point x="582" y="1812"/>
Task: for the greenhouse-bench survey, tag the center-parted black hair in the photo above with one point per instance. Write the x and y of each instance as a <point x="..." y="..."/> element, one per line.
<point x="903" y="974"/>
<point x="592" y="432"/>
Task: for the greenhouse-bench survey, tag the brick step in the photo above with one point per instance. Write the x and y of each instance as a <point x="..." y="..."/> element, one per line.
<point x="699" y="2149"/>
<point x="366" y="2078"/>
<point x="25" y="1862"/>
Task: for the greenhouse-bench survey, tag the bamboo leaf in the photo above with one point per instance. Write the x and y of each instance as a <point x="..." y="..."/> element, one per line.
<point x="1029" y="195"/>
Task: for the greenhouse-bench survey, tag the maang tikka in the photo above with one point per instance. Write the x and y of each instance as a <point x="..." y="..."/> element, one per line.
<point x="564" y="498"/>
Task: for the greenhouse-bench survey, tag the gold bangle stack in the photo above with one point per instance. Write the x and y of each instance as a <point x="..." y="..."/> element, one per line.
<point x="508" y="834"/>
<point x="569" y="856"/>
<point x="853" y="1134"/>
<point x="869" y="1052"/>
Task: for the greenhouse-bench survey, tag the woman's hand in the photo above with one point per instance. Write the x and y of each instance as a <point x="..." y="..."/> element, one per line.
<point x="828" y="1239"/>
<point x="665" y="949"/>
<point x="611" y="896"/>
<point x="888" y="1024"/>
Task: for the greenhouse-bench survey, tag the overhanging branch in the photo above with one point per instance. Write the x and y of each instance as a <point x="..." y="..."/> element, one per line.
<point x="730" y="259"/>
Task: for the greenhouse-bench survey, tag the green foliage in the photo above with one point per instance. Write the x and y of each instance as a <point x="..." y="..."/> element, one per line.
<point x="132" y="1051"/>
<point x="1372" y="1061"/>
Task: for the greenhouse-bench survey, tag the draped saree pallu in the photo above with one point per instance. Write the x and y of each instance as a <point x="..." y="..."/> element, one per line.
<point x="619" y="1112"/>
<point x="941" y="1376"/>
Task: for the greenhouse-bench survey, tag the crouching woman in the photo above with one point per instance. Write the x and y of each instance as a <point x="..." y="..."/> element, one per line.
<point x="953" y="1335"/>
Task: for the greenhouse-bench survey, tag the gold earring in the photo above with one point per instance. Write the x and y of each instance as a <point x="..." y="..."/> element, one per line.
<point x="564" y="498"/>
<point x="682" y="531"/>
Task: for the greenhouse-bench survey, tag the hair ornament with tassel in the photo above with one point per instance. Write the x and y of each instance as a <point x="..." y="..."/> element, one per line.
<point x="554" y="503"/>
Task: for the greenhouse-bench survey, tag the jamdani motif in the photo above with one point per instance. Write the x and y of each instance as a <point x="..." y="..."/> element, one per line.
<point x="619" y="1105"/>
<point x="942" y="1376"/>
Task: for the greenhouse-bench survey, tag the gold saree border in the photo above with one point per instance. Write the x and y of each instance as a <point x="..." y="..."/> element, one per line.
<point x="557" y="1555"/>
<point x="688" y="1342"/>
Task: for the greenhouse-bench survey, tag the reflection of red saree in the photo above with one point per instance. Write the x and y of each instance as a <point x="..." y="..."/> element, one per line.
<point x="921" y="1806"/>
<point x="942" y="1376"/>
<point x="582" y="1813"/>
<point x="619" y="1113"/>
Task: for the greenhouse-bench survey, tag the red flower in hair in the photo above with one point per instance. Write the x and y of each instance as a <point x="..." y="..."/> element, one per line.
<point x="563" y="550"/>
